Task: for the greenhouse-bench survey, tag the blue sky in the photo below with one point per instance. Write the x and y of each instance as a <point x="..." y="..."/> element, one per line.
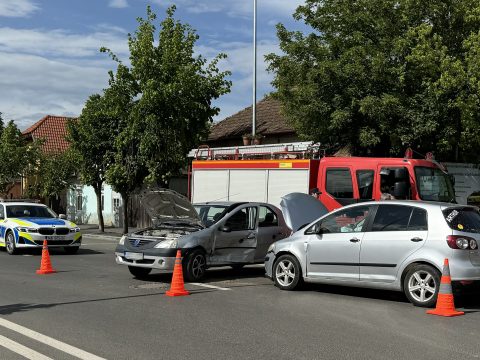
<point x="50" y="63"/>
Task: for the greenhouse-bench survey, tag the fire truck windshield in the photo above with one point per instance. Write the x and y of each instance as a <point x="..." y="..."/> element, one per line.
<point x="434" y="185"/>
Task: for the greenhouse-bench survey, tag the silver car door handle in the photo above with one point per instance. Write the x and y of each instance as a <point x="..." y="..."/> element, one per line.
<point x="416" y="239"/>
<point x="354" y="240"/>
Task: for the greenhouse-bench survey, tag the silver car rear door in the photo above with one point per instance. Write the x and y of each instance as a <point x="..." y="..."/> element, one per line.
<point x="396" y="232"/>
<point x="236" y="237"/>
<point x="335" y="252"/>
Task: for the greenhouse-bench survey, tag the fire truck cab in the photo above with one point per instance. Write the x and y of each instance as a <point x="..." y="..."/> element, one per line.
<point x="267" y="172"/>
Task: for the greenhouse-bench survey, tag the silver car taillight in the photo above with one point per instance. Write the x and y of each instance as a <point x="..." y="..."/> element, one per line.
<point x="461" y="242"/>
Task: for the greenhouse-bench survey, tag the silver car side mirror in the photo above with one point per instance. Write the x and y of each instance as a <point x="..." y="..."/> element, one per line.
<point x="225" y="228"/>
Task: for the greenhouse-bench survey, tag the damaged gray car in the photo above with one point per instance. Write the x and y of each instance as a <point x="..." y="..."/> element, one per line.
<point x="239" y="233"/>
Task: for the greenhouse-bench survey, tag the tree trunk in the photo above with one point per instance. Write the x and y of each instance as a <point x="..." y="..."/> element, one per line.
<point x="98" y="193"/>
<point x="125" y="213"/>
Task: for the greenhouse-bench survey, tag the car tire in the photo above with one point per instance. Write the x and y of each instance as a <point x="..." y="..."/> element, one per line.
<point x="139" y="272"/>
<point x="194" y="266"/>
<point x="10" y="243"/>
<point x="287" y="273"/>
<point x="71" y="250"/>
<point x="421" y="285"/>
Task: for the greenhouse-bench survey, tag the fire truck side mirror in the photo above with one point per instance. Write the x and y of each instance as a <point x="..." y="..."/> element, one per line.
<point x="400" y="190"/>
<point x="401" y="174"/>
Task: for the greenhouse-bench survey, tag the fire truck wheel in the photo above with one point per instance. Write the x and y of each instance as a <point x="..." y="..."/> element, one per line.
<point x="195" y="265"/>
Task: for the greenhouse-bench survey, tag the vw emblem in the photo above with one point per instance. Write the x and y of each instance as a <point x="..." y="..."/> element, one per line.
<point x="136" y="243"/>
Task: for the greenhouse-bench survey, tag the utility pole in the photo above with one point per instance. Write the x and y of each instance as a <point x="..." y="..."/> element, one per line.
<point x="254" y="107"/>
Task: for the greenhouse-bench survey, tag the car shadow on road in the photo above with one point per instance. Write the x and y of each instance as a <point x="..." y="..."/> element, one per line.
<point x="60" y="252"/>
<point x="20" y="307"/>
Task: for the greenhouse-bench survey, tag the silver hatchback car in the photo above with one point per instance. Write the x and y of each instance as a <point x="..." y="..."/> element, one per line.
<point x="394" y="245"/>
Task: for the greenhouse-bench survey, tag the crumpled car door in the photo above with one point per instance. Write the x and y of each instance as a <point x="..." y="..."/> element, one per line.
<point x="236" y="238"/>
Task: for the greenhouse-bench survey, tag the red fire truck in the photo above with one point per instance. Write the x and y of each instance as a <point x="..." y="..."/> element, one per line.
<point x="267" y="172"/>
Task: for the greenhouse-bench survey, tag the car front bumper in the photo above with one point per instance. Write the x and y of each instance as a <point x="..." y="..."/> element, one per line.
<point x="29" y="240"/>
<point x="160" y="259"/>
<point x="269" y="260"/>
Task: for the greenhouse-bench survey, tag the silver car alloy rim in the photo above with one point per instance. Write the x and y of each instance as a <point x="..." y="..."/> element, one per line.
<point x="198" y="266"/>
<point x="10" y="241"/>
<point x="421" y="286"/>
<point x="285" y="272"/>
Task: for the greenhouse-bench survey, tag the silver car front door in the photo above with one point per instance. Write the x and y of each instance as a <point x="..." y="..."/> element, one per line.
<point x="236" y="237"/>
<point x="333" y="244"/>
<point x="397" y="231"/>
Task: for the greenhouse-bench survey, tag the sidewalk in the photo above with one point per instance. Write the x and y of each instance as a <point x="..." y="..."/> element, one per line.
<point x="111" y="233"/>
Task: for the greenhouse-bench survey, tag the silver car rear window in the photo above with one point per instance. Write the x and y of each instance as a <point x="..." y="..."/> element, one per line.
<point x="463" y="219"/>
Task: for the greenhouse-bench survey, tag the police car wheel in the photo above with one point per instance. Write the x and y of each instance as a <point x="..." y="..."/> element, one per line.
<point x="10" y="243"/>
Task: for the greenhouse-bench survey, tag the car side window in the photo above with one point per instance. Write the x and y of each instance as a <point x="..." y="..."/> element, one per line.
<point x="418" y="220"/>
<point x="266" y="217"/>
<point x="344" y="221"/>
<point x="339" y="183"/>
<point x="392" y="218"/>
<point x="243" y="219"/>
<point x="2" y="213"/>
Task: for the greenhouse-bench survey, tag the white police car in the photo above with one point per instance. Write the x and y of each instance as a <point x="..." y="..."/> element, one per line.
<point x="27" y="224"/>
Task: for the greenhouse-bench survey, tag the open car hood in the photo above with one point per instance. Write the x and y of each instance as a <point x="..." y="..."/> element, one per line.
<point x="164" y="205"/>
<point x="299" y="209"/>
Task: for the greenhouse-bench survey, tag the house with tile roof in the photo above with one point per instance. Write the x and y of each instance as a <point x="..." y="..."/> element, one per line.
<point x="79" y="202"/>
<point x="270" y="122"/>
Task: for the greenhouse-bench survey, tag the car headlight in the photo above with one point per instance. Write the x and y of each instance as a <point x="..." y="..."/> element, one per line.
<point x="271" y="248"/>
<point x="167" y="244"/>
<point x="122" y="240"/>
<point x="27" y="230"/>
<point x="75" y="230"/>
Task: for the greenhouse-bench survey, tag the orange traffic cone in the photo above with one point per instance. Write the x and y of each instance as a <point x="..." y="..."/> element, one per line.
<point x="46" y="265"/>
<point x="177" y="287"/>
<point x="445" y="305"/>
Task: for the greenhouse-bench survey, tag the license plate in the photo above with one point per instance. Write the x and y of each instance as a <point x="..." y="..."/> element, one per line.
<point x="54" y="237"/>
<point x="133" y="256"/>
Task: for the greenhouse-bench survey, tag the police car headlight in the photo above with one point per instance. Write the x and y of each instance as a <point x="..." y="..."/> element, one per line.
<point x="271" y="248"/>
<point x="122" y="240"/>
<point x="75" y="230"/>
<point x="167" y="244"/>
<point x="27" y="230"/>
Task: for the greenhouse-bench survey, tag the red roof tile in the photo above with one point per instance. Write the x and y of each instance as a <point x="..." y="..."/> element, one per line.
<point x="269" y="121"/>
<point x="53" y="129"/>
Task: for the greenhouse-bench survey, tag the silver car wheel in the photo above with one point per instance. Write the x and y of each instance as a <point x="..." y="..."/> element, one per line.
<point x="198" y="265"/>
<point x="421" y="286"/>
<point x="285" y="272"/>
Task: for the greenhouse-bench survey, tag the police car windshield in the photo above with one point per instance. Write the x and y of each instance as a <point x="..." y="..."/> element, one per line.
<point x="28" y="211"/>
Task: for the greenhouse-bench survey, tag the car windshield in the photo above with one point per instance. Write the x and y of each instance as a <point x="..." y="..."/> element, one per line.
<point x="28" y="211"/>
<point x="209" y="213"/>
<point x="463" y="219"/>
<point x="434" y="184"/>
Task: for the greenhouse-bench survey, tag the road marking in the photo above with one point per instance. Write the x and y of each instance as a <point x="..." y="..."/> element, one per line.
<point x="210" y="286"/>
<point x="22" y="350"/>
<point x="69" y="349"/>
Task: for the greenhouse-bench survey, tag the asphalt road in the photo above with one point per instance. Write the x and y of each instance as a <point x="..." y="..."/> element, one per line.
<point x="93" y="308"/>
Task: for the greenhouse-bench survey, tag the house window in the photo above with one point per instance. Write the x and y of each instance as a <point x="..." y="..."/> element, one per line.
<point x="79" y="202"/>
<point x="116" y="203"/>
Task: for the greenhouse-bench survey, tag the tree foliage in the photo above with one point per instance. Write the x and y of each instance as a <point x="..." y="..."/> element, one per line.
<point x="382" y="75"/>
<point x="52" y="174"/>
<point x="16" y="156"/>
<point x="163" y="102"/>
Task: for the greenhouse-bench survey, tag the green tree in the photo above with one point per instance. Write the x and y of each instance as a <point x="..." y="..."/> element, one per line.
<point x="92" y="138"/>
<point x="164" y="100"/>
<point x="52" y="174"/>
<point x="16" y="156"/>
<point x="381" y="75"/>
